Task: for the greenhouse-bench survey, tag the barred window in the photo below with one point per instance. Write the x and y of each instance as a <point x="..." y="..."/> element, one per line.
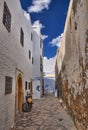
<point x="21" y="37"/>
<point x="7" y="17"/>
<point x="8" y="85"/>
<point x="29" y="54"/>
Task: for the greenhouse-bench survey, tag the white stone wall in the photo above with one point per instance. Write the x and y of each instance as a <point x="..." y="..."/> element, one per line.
<point x="36" y="89"/>
<point x="37" y="52"/>
<point x="36" y="65"/>
<point x="13" y="57"/>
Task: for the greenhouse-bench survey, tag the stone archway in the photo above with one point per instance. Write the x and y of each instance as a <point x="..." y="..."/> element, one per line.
<point x="19" y="95"/>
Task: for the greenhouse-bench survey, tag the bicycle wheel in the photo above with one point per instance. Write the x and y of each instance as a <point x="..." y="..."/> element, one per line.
<point x="25" y="107"/>
<point x="30" y="106"/>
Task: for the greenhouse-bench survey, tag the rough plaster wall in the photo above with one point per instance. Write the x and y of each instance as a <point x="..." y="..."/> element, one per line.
<point x="75" y="86"/>
<point x="73" y="63"/>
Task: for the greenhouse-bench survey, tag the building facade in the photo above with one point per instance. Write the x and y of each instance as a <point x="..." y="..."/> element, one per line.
<point x="72" y="63"/>
<point x="16" y="47"/>
<point x="38" y="63"/>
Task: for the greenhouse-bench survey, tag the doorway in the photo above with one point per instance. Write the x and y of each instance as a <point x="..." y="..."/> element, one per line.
<point x="19" y="95"/>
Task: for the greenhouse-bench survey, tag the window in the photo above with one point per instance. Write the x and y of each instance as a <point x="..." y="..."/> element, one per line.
<point x="29" y="85"/>
<point x="75" y="26"/>
<point x="6" y="17"/>
<point x="31" y="36"/>
<point x="8" y="85"/>
<point x="40" y="59"/>
<point x="32" y="60"/>
<point x="41" y="66"/>
<point x="29" y="54"/>
<point x="21" y="37"/>
<point x="40" y="43"/>
<point x="25" y="85"/>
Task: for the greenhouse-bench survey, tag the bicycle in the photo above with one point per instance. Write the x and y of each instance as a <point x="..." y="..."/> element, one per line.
<point x="27" y="106"/>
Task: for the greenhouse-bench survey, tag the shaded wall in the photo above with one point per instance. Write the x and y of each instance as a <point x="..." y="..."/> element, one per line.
<point x="72" y="61"/>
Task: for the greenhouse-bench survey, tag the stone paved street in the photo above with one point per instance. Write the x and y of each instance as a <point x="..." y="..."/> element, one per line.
<point x="46" y="114"/>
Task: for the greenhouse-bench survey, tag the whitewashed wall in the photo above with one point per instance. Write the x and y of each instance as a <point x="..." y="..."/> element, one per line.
<point x="13" y="57"/>
<point x="36" y="65"/>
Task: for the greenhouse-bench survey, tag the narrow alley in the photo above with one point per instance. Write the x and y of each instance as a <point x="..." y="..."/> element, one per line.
<point x="46" y="114"/>
<point x="44" y="57"/>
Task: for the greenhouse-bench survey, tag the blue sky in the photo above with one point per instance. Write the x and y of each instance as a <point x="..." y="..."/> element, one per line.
<point x="51" y="14"/>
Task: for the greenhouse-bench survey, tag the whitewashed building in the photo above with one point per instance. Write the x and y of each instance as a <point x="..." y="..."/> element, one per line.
<point x="37" y="63"/>
<point x="15" y="60"/>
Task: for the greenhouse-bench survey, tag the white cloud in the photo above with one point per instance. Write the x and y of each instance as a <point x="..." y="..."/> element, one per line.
<point x="27" y="15"/>
<point x="39" y="5"/>
<point x="57" y="41"/>
<point x="49" y="65"/>
<point x="38" y="24"/>
<point x="44" y="37"/>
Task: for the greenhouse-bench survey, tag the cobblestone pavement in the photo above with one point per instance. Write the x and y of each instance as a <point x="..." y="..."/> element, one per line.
<point x="46" y="114"/>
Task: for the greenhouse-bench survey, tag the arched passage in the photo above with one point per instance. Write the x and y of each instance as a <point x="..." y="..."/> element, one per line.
<point x="19" y="94"/>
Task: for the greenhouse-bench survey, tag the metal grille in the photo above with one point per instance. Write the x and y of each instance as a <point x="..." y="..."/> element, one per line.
<point x="7" y="17"/>
<point x="8" y="85"/>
